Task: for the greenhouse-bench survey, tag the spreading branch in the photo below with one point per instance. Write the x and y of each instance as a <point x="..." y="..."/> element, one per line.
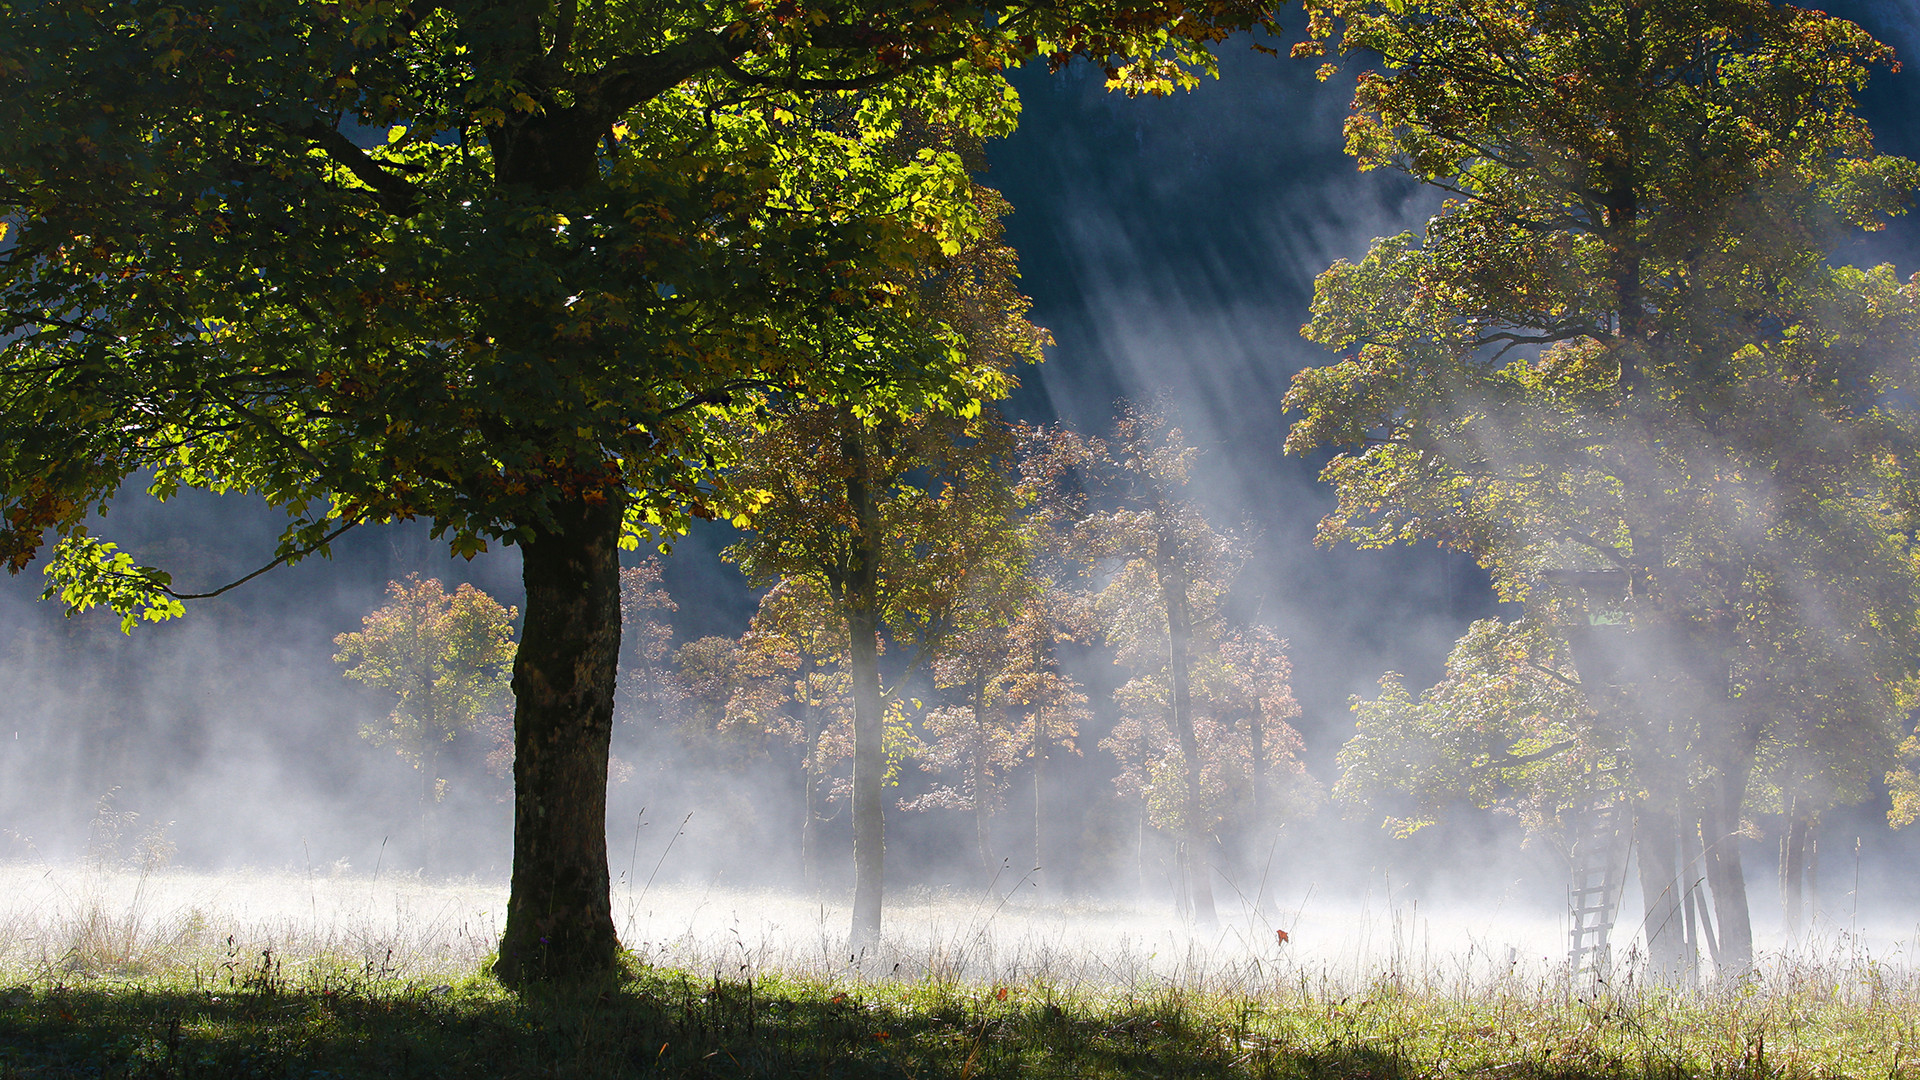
<point x="396" y="194"/>
<point x="283" y="558"/>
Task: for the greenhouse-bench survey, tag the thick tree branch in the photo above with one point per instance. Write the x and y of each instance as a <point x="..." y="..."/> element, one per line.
<point x="1554" y="675"/>
<point x="563" y="31"/>
<point x="397" y="195"/>
<point x="1608" y="551"/>
<point x="1506" y="760"/>
<point x="636" y="80"/>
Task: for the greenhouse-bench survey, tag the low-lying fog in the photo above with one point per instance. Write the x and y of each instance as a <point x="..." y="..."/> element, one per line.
<point x="63" y="922"/>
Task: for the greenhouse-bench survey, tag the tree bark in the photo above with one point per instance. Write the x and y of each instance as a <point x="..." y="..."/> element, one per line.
<point x="869" y="753"/>
<point x="811" y="823"/>
<point x="1693" y="906"/>
<point x="560" y="912"/>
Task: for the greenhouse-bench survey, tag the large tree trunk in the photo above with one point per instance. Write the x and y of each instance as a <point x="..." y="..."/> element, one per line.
<point x="869" y="753"/>
<point x="560" y="913"/>
<point x="1193" y="860"/>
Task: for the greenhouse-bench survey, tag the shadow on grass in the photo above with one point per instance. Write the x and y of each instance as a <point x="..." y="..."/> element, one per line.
<point x="652" y="1024"/>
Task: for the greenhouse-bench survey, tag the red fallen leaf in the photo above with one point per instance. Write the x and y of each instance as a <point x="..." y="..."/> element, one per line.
<point x="1283" y="936"/>
<point x="999" y="993"/>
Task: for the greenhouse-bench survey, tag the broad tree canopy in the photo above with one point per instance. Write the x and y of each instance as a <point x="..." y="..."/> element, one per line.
<point x="460" y="260"/>
<point x="1621" y="348"/>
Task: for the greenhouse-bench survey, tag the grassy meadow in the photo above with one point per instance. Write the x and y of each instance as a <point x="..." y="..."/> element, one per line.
<point x="318" y="975"/>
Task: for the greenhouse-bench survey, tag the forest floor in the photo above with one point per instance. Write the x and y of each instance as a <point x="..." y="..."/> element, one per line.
<point x="253" y="1017"/>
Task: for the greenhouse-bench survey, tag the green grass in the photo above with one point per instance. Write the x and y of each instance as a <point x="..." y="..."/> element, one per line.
<point x="251" y="1018"/>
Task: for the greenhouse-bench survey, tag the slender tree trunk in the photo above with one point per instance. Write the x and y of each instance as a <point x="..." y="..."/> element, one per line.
<point x="1726" y="874"/>
<point x="1140" y="853"/>
<point x="1193" y="861"/>
<point x="810" y="825"/>
<point x="869" y="753"/>
<point x="1793" y="868"/>
<point x="560" y="913"/>
<point x="809" y="781"/>
<point x="1257" y="733"/>
<point x="1039" y="771"/>
<point x="1658" y="830"/>
<point x="1693" y="906"/>
<point x="1263" y="826"/>
<point x="1813" y="868"/>
<point x="430" y="793"/>
<point x="979" y="782"/>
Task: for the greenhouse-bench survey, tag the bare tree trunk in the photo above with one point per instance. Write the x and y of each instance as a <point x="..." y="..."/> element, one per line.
<point x="1193" y="861"/>
<point x="1257" y="733"/>
<point x="1658" y="830"/>
<point x="1693" y="907"/>
<point x="1727" y="875"/>
<point x="869" y="753"/>
<point x="810" y="828"/>
<point x="1813" y="868"/>
<point x="810" y="787"/>
<point x="979" y="781"/>
<point x="1039" y="772"/>
<point x="1793" y="868"/>
<point x="560" y="912"/>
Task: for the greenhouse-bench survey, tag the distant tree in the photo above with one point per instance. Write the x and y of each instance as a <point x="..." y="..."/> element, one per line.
<point x="1620" y="347"/>
<point x="445" y="658"/>
<point x="1251" y="779"/>
<point x="1247" y="684"/>
<point x="1008" y="700"/>
<point x="649" y="688"/>
<point x="1054" y="703"/>
<point x="708" y="668"/>
<point x="892" y="513"/>
<point x="889" y="520"/>
<point x="795" y="688"/>
<point x="1123" y="508"/>
<point x="970" y="737"/>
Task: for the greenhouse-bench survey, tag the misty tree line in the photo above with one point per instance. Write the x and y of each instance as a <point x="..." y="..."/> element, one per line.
<point x="568" y="277"/>
<point x="999" y="544"/>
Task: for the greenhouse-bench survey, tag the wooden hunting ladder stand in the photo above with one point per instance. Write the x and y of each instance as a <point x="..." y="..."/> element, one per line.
<point x="1603" y="840"/>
